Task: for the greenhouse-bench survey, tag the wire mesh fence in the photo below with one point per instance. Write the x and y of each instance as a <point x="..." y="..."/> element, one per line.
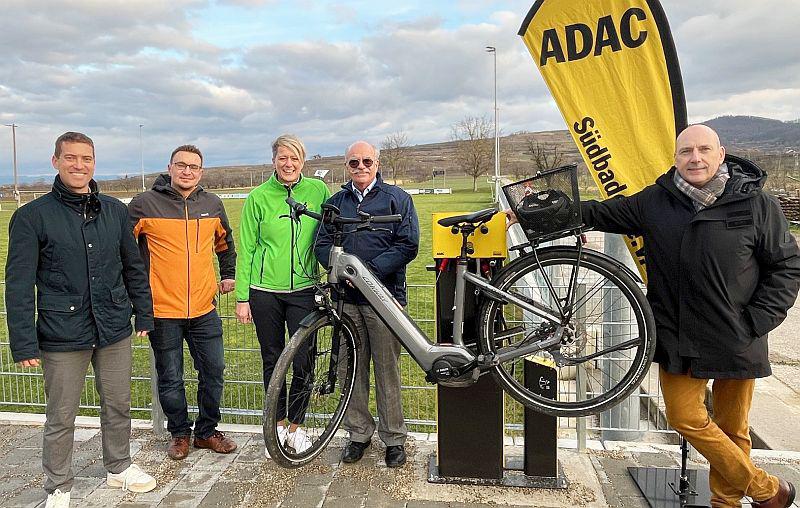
<point x="22" y="389"/>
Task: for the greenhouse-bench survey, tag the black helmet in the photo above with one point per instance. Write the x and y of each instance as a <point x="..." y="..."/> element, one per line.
<point x="544" y="212"/>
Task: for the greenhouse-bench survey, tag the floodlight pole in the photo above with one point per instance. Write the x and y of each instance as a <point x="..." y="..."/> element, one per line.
<point x="141" y="155"/>
<point x="14" y="151"/>
<point x="493" y="51"/>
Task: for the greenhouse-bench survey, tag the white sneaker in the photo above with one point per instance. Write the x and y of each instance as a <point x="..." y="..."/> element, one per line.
<point x="298" y="440"/>
<point x="132" y="479"/>
<point x="57" y="499"/>
<point x="283" y="432"/>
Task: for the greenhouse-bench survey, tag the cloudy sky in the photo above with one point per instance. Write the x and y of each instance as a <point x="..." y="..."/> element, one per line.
<point x="230" y="75"/>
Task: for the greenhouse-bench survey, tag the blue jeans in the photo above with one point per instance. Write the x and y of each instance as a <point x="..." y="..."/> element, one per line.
<point x="203" y="334"/>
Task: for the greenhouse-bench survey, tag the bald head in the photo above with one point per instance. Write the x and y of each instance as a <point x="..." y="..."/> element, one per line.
<point x="361" y="159"/>
<point x="698" y="154"/>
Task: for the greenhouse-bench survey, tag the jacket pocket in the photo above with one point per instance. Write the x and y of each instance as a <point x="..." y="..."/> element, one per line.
<point x="59" y="317"/>
<point x="119" y="312"/>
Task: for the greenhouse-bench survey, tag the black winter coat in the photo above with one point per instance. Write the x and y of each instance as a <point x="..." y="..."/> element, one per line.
<point x="74" y="256"/>
<point x="719" y="279"/>
<point x="386" y="252"/>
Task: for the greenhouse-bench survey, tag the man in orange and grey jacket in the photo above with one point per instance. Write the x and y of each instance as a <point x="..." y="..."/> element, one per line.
<point x="178" y="226"/>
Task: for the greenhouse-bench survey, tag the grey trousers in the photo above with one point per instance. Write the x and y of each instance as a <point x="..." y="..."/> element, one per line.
<point x="64" y="375"/>
<point x="379" y="345"/>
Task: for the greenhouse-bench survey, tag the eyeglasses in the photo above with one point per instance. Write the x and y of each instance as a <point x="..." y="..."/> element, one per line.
<point x="182" y="166"/>
<point x="354" y="163"/>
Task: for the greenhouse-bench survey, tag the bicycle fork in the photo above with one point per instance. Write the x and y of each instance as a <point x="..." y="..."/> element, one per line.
<point x="329" y="385"/>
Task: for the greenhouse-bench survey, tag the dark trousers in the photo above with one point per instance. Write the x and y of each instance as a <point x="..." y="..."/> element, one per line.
<point x="203" y="334"/>
<point x="272" y="314"/>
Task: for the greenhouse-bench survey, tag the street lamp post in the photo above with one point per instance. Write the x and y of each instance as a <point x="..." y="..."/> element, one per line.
<point x="493" y="51"/>
<point x="141" y="155"/>
<point x="14" y="151"/>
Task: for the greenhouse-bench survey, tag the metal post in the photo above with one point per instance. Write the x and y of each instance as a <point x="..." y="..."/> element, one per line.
<point x="493" y="51"/>
<point x="624" y="416"/>
<point x="141" y="155"/>
<point x="580" y="376"/>
<point x="157" y="413"/>
<point x="14" y="151"/>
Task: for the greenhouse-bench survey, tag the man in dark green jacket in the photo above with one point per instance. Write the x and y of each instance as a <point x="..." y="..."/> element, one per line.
<point x="74" y="266"/>
<point x="723" y="270"/>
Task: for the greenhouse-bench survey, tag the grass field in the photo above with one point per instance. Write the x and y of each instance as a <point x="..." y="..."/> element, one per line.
<point x="243" y="392"/>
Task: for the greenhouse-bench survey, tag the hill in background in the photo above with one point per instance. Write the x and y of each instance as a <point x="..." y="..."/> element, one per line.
<point x="765" y="140"/>
<point x="752" y="132"/>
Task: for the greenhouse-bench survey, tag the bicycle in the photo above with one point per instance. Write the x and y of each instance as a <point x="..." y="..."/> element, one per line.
<point x="576" y="307"/>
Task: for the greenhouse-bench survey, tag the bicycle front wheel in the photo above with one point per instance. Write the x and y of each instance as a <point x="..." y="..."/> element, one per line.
<point x="605" y="327"/>
<point x="311" y="385"/>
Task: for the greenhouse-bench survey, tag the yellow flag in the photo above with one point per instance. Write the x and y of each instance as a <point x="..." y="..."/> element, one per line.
<point x="612" y="68"/>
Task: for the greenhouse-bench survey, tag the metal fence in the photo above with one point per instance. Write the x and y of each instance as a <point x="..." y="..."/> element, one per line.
<point x="22" y="390"/>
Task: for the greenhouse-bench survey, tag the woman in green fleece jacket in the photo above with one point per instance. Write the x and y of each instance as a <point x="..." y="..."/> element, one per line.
<point x="276" y="269"/>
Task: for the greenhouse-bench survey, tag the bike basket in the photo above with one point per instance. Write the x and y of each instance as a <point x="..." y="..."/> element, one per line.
<point x="548" y="204"/>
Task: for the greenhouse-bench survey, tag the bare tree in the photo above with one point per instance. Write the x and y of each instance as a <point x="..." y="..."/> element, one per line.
<point x="475" y="147"/>
<point x="394" y="153"/>
<point x="544" y="156"/>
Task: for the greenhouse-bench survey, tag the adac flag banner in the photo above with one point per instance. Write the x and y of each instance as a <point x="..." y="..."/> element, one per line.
<point x="612" y="69"/>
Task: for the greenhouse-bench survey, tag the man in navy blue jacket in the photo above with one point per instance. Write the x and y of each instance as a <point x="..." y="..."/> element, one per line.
<point x="386" y="252"/>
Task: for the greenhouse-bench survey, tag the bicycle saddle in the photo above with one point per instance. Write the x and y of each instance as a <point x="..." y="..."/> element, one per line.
<point x="472" y="218"/>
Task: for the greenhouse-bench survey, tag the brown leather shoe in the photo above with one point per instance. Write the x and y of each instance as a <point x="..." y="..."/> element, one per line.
<point x="783" y="499"/>
<point x="217" y="442"/>
<point x="178" y="447"/>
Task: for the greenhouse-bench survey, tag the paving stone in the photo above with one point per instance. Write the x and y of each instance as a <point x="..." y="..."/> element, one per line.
<point x="9" y="485"/>
<point x="656" y="460"/>
<point x="378" y="498"/>
<point x="155" y="496"/>
<point x="305" y="496"/>
<point x="251" y="452"/>
<point x="182" y="499"/>
<point x="631" y="502"/>
<point x="614" y="466"/>
<point x="82" y="434"/>
<point x="240" y="472"/>
<point x="27" y="498"/>
<point x="198" y="480"/>
<point x="21" y="456"/>
<point x="30" y="440"/>
<point x="321" y="479"/>
<point x="103" y="498"/>
<point x="224" y="494"/>
<point x="211" y="461"/>
<point x="786" y="471"/>
<point x="84" y="486"/>
<point x="338" y="502"/>
<point x="345" y="486"/>
<point x="93" y="470"/>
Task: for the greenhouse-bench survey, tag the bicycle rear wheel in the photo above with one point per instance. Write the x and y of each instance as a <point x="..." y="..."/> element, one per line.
<point x="305" y="367"/>
<point x="608" y="336"/>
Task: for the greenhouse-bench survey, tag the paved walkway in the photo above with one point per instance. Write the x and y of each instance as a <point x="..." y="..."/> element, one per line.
<point x="598" y="477"/>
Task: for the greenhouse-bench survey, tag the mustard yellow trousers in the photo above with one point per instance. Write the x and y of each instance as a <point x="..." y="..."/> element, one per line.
<point x="723" y="441"/>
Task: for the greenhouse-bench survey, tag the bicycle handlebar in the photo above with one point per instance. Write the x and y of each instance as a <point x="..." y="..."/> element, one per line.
<point x="331" y="215"/>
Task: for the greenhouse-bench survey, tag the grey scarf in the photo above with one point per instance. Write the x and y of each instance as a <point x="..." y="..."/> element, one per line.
<point x="708" y="194"/>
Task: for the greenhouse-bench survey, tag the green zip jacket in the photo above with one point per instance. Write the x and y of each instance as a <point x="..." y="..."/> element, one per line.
<point x="275" y="253"/>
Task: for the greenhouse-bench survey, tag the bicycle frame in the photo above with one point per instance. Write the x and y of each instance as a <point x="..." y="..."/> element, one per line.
<point x="347" y="267"/>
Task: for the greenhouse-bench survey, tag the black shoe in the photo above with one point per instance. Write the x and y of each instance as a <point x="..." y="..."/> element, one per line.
<point x="354" y="451"/>
<point x="395" y="456"/>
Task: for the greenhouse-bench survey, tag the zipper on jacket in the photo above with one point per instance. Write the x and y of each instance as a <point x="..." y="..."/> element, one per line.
<point x="197" y="239"/>
<point x="188" y="261"/>
<point x="291" y="243"/>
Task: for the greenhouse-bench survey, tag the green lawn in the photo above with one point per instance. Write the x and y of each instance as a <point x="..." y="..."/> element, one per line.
<point x="243" y="392"/>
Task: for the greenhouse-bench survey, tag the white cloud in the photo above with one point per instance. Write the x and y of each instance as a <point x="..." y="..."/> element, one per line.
<point x="104" y="67"/>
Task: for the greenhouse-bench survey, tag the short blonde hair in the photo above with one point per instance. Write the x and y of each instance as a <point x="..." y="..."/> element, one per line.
<point x="291" y="142"/>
